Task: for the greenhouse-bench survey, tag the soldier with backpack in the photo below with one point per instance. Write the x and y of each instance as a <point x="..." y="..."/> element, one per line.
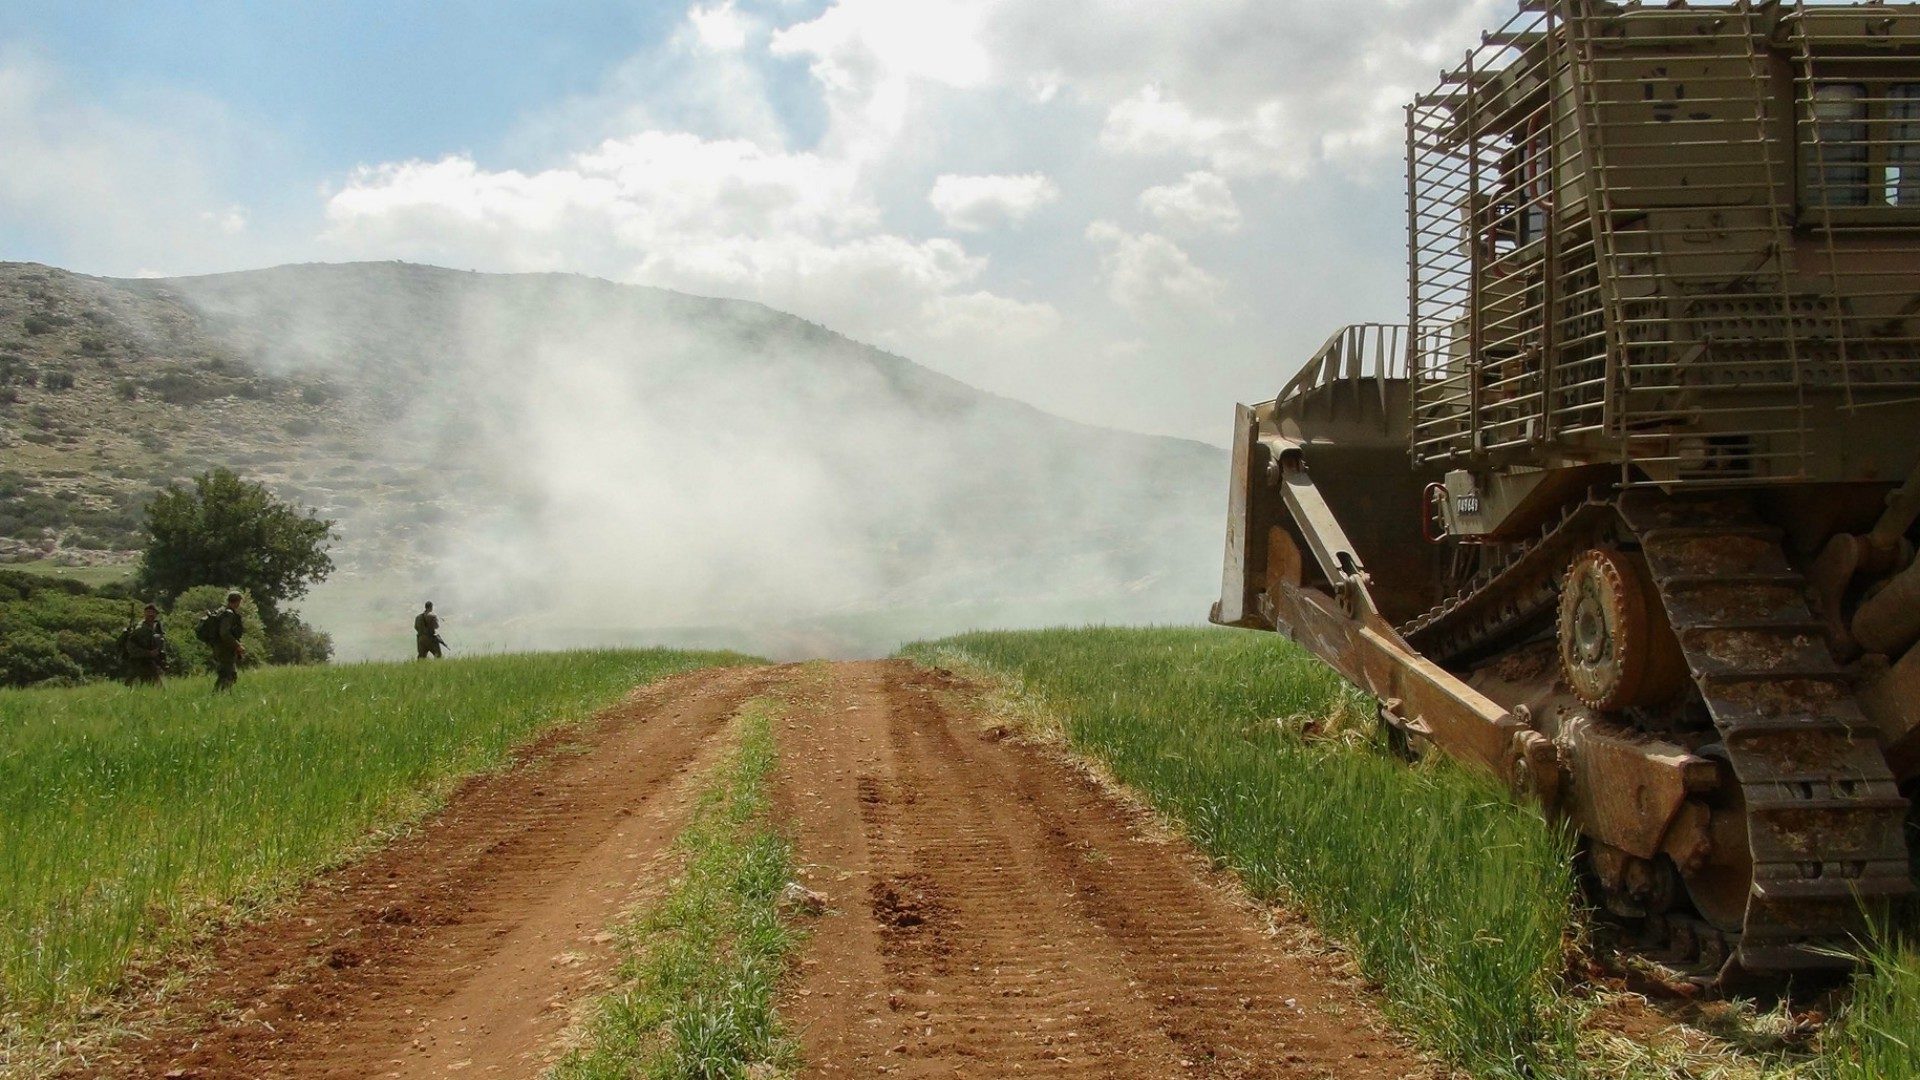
<point x="144" y="648"/>
<point x="426" y="634"/>
<point x="221" y="630"/>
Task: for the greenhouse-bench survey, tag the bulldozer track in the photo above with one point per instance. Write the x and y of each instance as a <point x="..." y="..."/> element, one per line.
<point x="1823" y="812"/>
<point x="1506" y="598"/>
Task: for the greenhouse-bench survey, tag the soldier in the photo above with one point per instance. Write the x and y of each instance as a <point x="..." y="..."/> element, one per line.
<point x="227" y="649"/>
<point x="145" y="650"/>
<point x="426" y="634"/>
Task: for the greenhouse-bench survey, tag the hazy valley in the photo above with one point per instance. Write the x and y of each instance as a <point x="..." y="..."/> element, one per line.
<point x="559" y="460"/>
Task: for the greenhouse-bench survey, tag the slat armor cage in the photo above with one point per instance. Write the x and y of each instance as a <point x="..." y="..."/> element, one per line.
<point x="1685" y="239"/>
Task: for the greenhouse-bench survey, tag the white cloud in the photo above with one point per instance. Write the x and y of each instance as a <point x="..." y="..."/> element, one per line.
<point x="721" y="27"/>
<point x="232" y="221"/>
<point x="1248" y="86"/>
<point x="1150" y="277"/>
<point x="1198" y="202"/>
<point x="976" y="203"/>
<point x="870" y="56"/>
<point x="1259" y="141"/>
<point x="124" y="189"/>
<point x="797" y="231"/>
<point x="634" y="193"/>
<point x="857" y="42"/>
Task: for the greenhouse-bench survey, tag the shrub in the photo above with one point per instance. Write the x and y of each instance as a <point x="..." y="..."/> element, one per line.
<point x="181" y="388"/>
<point x="30" y="655"/>
<point x="93" y="345"/>
<point x="60" y="630"/>
<point x="290" y="640"/>
<point x="58" y="380"/>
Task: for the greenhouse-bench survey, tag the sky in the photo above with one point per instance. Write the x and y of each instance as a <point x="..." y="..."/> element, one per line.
<point x="1128" y="212"/>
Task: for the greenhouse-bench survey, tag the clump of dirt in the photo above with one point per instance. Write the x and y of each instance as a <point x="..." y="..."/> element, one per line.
<point x="904" y="901"/>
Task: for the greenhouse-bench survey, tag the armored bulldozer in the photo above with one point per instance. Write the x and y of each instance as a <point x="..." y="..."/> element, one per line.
<point x="1625" y="512"/>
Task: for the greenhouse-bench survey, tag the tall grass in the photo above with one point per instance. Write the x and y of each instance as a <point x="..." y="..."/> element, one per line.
<point x="1447" y="893"/>
<point x="696" y="993"/>
<point x="1877" y="1034"/>
<point x="127" y="814"/>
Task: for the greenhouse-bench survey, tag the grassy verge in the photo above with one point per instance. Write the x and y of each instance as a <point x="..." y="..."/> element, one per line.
<point x="1453" y="898"/>
<point x="696" y="992"/>
<point x="128" y="817"/>
<point x="1878" y="1033"/>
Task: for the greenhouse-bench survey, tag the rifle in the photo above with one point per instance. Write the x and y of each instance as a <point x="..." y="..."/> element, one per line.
<point x="440" y="641"/>
<point x="126" y="636"/>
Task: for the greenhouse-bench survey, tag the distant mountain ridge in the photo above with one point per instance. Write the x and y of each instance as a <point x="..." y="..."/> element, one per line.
<point x="525" y="444"/>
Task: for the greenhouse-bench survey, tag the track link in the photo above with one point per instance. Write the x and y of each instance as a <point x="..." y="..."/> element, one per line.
<point x="1510" y="598"/>
<point x="1824" y="816"/>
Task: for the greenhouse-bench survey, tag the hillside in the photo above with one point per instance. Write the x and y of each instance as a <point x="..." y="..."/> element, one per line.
<point x="562" y="460"/>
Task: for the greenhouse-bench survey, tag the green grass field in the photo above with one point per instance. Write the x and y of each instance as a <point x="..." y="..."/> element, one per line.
<point x="127" y="816"/>
<point x="94" y="576"/>
<point x="1458" y="902"/>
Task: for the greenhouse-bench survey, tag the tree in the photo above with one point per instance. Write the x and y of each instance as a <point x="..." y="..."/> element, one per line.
<point x="233" y="533"/>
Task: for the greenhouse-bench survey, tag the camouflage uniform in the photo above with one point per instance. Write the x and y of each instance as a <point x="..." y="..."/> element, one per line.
<point x="227" y="648"/>
<point x="426" y="635"/>
<point x="146" y="653"/>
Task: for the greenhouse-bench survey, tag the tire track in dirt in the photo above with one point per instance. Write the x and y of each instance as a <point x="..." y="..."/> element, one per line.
<point x="461" y="948"/>
<point x="995" y="912"/>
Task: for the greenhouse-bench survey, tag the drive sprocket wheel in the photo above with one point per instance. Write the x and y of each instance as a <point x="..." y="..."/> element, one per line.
<point x="1616" y="649"/>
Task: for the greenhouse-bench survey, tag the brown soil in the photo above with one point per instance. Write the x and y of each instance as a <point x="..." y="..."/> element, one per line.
<point x="462" y="948"/>
<point x="992" y="911"/>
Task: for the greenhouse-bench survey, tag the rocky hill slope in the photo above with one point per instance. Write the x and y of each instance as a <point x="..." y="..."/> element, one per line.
<point x="564" y="459"/>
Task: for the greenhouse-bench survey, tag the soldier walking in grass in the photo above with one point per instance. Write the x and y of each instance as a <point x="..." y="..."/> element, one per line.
<point x="426" y="634"/>
<point x="227" y="649"/>
<point x="145" y="650"/>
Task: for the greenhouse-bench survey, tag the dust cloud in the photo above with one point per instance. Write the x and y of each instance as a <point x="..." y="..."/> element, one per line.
<point x="559" y="461"/>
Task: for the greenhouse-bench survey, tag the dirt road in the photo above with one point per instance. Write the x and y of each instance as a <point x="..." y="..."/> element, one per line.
<point x="992" y="912"/>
